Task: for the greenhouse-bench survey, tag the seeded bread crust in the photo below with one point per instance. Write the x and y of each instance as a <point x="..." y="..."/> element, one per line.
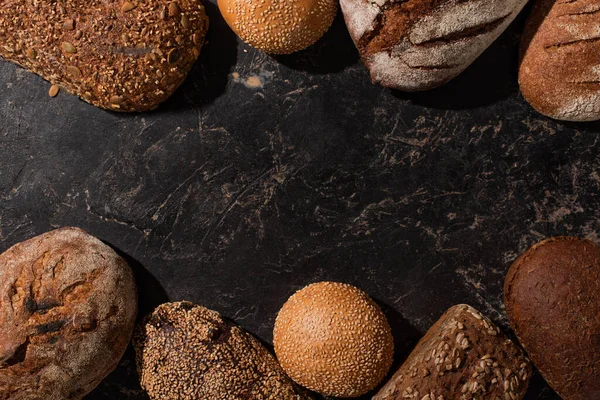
<point x="415" y="45"/>
<point x="559" y="73"/>
<point x="334" y="339"/>
<point x="125" y="55"/>
<point x="463" y="356"/>
<point x="279" y="26"/>
<point x="187" y="352"/>
<point x="552" y="297"/>
<point x="67" y="309"/>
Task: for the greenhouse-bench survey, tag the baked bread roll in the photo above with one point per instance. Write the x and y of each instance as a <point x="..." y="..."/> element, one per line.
<point x="67" y="310"/>
<point x="416" y="45"/>
<point x="187" y="352"/>
<point x="125" y="55"/>
<point x="552" y="298"/>
<point x="559" y="73"/>
<point x="279" y="26"/>
<point x="463" y="356"/>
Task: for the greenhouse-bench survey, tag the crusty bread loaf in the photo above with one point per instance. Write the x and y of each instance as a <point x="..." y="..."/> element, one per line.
<point x="416" y="45"/>
<point x="559" y="73"/>
<point x="187" y="352"/>
<point x="126" y="55"/>
<point x="463" y="356"/>
<point x="67" y="309"/>
<point x="552" y="297"/>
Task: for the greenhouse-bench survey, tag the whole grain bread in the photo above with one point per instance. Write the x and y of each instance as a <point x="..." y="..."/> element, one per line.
<point x="67" y="309"/>
<point x="559" y="73"/>
<point x="126" y="55"/>
<point x="415" y="45"/>
<point x="552" y="297"/>
<point x="463" y="356"/>
<point x="187" y="352"/>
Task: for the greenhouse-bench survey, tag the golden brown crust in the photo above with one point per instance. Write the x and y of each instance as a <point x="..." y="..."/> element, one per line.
<point x="559" y="71"/>
<point x="333" y="338"/>
<point x="463" y="356"/>
<point x="67" y="310"/>
<point x="279" y="26"/>
<point x="552" y="298"/>
<point x="187" y="352"/>
<point x="126" y="55"/>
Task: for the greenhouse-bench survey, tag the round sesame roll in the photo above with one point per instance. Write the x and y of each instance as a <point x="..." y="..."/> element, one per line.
<point x="279" y="26"/>
<point x="333" y="338"/>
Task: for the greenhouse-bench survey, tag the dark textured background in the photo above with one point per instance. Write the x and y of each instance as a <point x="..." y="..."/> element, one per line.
<point x="234" y="196"/>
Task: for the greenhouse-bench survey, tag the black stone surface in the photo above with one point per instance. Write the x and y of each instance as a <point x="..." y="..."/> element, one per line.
<point x="234" y="195"/>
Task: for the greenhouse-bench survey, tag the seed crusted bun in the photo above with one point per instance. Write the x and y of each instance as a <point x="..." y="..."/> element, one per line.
<point x="67" y="310"/>
<point x="126" y="55"/>
<point x="279" y="26"/>
<point x="464" y="356"/>
<point x="333" y="338"/>
<point x="187" y="352"/>
<point x="552" y="298"/>
<point x="417" y="45"/>
<point x="559" y="74"/>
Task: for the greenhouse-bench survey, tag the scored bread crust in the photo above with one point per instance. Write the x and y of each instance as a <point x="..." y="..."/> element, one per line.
<point x="68" y="304"/>
<point x="415" y="45"/>
<point x="126" y="55"/>
<point x="559" y="73"/>
<point x="463" y="356"/>
<point x="552" y="298"/>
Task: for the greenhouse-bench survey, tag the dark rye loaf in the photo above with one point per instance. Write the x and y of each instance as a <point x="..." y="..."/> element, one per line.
<point x="416" y="45"/>
<point x="559" y="73"/>
<point x="187" y="352"/>
<point x="552" y="297"/>
<point x="124" y="55"/>
<point x="463" y="356"/>
<point x="67" y="309"/>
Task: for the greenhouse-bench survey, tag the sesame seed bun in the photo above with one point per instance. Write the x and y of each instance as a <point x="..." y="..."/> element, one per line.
<point x="279" y="26"/>
<point x="332" y="338"/>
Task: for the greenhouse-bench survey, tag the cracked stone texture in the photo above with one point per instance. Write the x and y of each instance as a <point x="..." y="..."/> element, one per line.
<point x="261" y="175"/>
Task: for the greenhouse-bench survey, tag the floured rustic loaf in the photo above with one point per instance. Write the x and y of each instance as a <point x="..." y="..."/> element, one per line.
<point x="416" y="45"/>
<point x="463" y="356"/>
<point x="67" y="308"/>
<point x="559" y="73"/>
<point x="125" y="55"/>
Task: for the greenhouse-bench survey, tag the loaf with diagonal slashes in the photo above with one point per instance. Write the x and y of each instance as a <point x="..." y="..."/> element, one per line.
<point x="415" y="45"/>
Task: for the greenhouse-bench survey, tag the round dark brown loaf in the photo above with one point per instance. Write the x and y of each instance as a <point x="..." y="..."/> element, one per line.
<point x="187" y="352"/>
<point x="552" y="297"/>
<point x="67" y="311"/>
<point x="125" y="55"/>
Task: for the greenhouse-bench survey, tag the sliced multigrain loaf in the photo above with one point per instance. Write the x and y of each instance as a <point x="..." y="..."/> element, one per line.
<point x="559" y="73"/>
<point x="125" y="55"/>
<point x="416" y="45"/>
<point x="463" y="356"/>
